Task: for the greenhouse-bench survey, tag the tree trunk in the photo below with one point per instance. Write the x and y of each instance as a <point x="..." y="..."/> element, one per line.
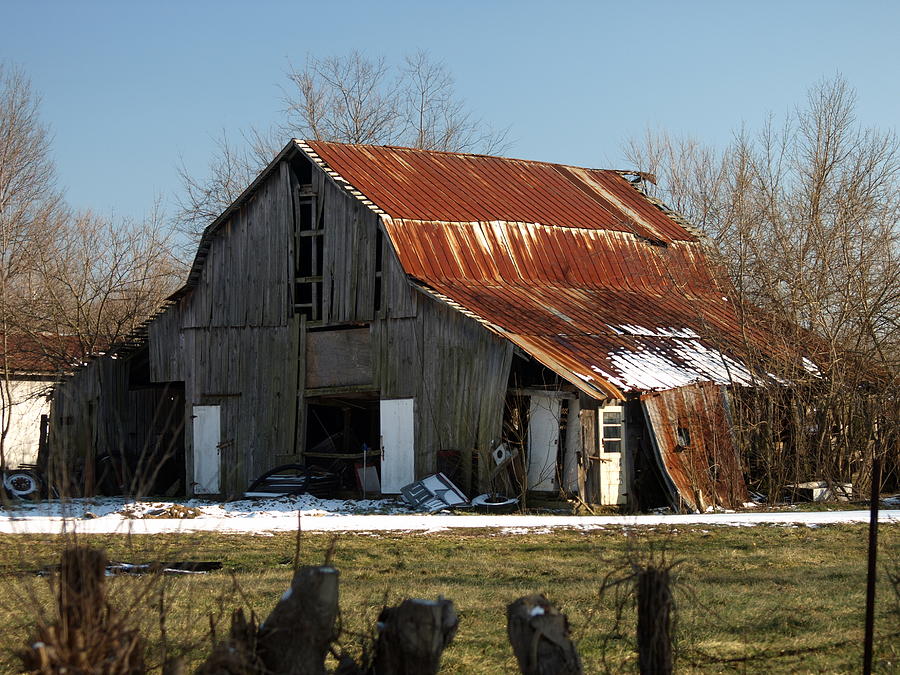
<point x="654" y="596"/>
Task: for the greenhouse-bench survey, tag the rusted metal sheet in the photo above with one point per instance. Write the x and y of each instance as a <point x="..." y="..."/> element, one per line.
<point x="695" y="445"/>
<point x="41" y="354"/>
<point x="607" y="311"/>
<point x="575" y="266"/>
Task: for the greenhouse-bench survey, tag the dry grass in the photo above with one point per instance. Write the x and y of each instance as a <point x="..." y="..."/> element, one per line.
<point x="787" y="599"/>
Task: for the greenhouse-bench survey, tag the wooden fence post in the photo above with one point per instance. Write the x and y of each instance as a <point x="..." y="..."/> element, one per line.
<point x="296" y="636"/>
<point x="413" y="637"/>
<point x="539" y="634"/>
<point x="89" y="636"/>
<point x="654" y="597"/>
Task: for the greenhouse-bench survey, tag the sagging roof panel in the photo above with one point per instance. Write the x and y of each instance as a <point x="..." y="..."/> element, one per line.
<point x="693" y="436"/>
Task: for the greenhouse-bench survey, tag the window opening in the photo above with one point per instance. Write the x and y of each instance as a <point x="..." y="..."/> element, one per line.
<point x="310" y="258"/>
<point x="379" y="245"/>
<point x="612" y="431"/>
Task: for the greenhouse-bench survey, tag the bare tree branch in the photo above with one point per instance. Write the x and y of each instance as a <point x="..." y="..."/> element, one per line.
<point x="348" y="99"/>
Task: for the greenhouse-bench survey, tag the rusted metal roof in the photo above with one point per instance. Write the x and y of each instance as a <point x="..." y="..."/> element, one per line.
<point x="575" y="266"/>
<point x="456" y="187"/>
<point x="39" y="354"/>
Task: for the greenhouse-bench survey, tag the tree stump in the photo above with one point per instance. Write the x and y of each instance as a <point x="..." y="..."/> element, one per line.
<point x="654" y="597"/>
<point x="89" y="637"/>
<point x="539" y="635"/>
<point x="296" y="637"/>
<point x="413" y="636"/>
<point x="82" y="589"/>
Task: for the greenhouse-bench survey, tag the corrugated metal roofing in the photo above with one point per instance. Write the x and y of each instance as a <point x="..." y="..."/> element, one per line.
<point x="456" y="187"/>
<point x="575" y="266"/>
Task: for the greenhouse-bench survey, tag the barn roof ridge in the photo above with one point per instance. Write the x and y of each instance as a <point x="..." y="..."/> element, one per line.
<point x="458" y="153"/>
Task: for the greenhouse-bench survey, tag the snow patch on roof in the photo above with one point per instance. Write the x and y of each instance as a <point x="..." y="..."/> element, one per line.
<point x="687" y="362"/>
<point x="629" y="329"/>
<point x="811" y="367"/>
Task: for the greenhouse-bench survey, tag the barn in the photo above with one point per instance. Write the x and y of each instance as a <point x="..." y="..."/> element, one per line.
<point x="518" y="325"/>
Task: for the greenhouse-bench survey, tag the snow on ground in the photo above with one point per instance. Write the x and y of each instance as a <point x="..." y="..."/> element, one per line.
<point x="264" y="516"/>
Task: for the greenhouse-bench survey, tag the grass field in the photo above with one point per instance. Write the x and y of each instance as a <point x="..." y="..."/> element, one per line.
<point x="751" y="600"/>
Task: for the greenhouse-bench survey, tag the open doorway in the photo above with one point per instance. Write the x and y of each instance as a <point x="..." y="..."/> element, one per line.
<point x="342" y="436"/>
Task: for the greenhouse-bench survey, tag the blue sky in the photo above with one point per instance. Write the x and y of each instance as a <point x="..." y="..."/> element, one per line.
<point x="129" y="88"/>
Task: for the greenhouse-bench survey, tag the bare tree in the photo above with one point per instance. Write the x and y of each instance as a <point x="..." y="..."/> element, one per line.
<point x="436" y="118"/>
<point x="805" y="215"/>
<point x="348" y="99"/>
<point x="28" y="202"/>
<point x="70" y="284"/>
<point x="351" y="99"/>
<point x="98" y="281"/>
<point x="231" y="169"/>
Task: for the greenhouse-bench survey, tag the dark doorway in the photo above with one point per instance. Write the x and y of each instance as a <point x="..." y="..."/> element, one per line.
<point x="343" y="435"/>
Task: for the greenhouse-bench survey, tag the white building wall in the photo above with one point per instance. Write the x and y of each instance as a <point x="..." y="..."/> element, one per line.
<point x="29" y="402"/>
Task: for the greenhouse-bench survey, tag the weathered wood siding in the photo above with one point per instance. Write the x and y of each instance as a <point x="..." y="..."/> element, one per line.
<point x="349" y="270"/>
<point x="338" y="358"/>
<point x="252" y="374"/>
<point x="457" y="371"/>
<point x="248" y="272"/>
<point x="234" y="339"/>
<point x="166" y="344"/>
<point x="399" y="300"/>
<point x="454" y="367"/>
<point x="89" y="418"/>
<point x="352" y="239"/>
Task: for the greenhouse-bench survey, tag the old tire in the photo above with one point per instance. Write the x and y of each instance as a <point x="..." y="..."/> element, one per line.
<point x="488" y="503"/>
<point x="22" y="484"/>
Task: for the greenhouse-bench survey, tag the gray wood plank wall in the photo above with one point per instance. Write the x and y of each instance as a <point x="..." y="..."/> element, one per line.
<point x="235" y="341"/>
<point x="455" y="368"/>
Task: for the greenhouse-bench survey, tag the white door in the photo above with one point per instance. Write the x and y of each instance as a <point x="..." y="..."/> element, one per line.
<point x="573" y="447"/>
<point x="397" y="444"/>
<point x="543" y="443"/>
<point x="207" y="463"/>
<point x="613" y="458"/>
